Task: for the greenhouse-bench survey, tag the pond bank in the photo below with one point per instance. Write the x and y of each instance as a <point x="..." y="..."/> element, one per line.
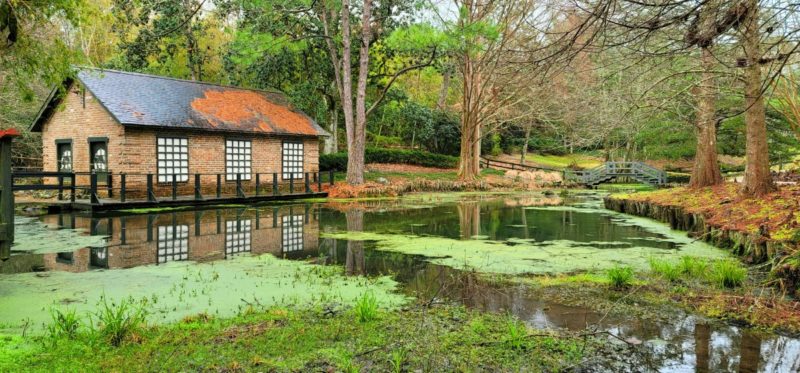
<point x="759" y="230"/>
<point x="440" y="338"/>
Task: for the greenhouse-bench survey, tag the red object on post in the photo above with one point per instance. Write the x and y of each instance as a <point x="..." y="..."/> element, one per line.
<point x="11" y="132"/>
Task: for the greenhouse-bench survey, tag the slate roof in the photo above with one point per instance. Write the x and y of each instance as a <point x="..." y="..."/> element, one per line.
<point x="153" y="101"/>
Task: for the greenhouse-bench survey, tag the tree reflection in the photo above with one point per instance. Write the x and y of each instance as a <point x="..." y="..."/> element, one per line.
<point x="354" y="262"/>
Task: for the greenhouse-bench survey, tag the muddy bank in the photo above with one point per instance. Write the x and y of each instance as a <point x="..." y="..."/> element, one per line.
<point x="753" y="247"/>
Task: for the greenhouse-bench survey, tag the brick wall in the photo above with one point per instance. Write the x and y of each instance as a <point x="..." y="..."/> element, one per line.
<point x="133" y="150"/>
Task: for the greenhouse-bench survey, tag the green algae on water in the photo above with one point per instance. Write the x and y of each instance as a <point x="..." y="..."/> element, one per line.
<point x="521" y="256"/>
<point x="178" y="289"/>
<point x="33" y="236"/>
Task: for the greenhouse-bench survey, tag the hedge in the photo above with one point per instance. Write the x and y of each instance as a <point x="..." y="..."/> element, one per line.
<point x="338" y="161"/>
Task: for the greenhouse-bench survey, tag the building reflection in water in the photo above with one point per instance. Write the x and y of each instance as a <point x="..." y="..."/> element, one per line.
<point x="204" y="235"/>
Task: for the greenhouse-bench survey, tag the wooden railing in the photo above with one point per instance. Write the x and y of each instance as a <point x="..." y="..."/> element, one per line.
<point x="488" y="163"/>
<point x="123" y="187"/>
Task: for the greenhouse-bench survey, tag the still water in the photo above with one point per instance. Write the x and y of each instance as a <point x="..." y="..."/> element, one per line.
<point x="425" y="247"/>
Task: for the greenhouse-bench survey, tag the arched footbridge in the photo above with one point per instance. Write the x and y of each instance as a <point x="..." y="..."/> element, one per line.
<point x="608" y="171"/>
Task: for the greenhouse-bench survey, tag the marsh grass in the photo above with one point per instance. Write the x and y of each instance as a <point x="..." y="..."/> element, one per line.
<point x="64" y="324"/>
<point x="727" y="274"/>
<point x="516" y="332"/>
<point x="665" y="269"/>
<point x="366" y="308"/>
<point x="693" y="266"/>
<point x="397" y="359"/>
<point x="620" y="277"/>
<point x="117" y="322"/>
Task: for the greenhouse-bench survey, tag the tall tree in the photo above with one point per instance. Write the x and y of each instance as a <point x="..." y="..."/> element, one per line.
<point x="757" y="177"/>
<point x="336" y="25"/>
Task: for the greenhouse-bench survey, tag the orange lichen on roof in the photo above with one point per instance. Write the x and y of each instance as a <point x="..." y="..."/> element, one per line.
<point x="248" y="110"/>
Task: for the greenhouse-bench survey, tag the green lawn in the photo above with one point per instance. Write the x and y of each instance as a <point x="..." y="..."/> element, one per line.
<point x="564" y="161"/>
<point x="446" y="175"/>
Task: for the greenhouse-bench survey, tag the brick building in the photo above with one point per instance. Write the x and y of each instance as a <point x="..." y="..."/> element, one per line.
<point x="113" y="122"/>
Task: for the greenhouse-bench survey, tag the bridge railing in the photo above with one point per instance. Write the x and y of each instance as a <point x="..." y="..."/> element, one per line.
<point x="637" y="170"/>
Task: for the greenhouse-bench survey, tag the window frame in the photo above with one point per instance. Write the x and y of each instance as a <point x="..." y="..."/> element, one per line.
<point x="59" y="143"/>
<point x="168" y="179"/>
<point x="302" y="161"/>
<point x="229" y="177"/>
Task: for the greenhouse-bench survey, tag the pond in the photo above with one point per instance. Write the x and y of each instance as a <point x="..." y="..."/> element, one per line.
<point x="426" y="246"/>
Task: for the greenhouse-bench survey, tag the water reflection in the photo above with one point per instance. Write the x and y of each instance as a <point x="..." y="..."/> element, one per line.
<point x="292" y="231"/>
<point x="685" y="343"/>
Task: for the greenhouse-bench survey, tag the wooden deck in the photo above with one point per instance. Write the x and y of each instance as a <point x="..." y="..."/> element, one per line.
<point x="107" y="204"/>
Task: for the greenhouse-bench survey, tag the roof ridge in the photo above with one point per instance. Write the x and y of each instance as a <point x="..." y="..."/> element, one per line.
<point x="178" y="79"/>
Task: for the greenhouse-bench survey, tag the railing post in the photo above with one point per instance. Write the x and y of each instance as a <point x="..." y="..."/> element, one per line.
<point x="308" y="183"/>
<point x="275" y="190"/>
<point x="291" y="182"/>
<point x="197" y="194"/>
<point x="109" y="184"/>
<point x="72" y="187"/>
<point x="151" y="197"/>
<point x="258" y="183"/>
<point x="93" y="189"/>
<point x="239" y="191"/>
<point x="60" y="187"/>
<point x="174" y="187"/>
<point x="219" y="185"/>
<point x="330" y="175"/>
<point x="122" y="178"/>
<point x="319" y="181"/>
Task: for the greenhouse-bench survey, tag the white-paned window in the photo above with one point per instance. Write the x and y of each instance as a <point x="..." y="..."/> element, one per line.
<point x="173" y="159"/>
<point x="173" y="243"/>
<point x="237" y="236"/>
<point x="238" y="158"/>
<point x="292" y="233"/>
<point x="292" y="160"/>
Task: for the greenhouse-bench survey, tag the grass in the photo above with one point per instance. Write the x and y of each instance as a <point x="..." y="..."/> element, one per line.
<point x="366" y="308"/>
<point x="117" y="322"/>
<point x="564" y="161"/>
<point x="665" y="269"/>
<point x="65" y="324"/>
<point x="439" y="175"/>
<point x="727" y="274"/>
<point x="516" y="333"/>
<point x="620" y="277"/>
<point x="442" y="338"/>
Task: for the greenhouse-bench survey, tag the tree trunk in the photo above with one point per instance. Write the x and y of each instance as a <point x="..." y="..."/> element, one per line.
<point x="525" y="145"/>
<point x="355" y="263"/>
<point x="355" y="152"/>
<point x="469" y="165"/>
<point x="757" y="178"/>
<point x="442" y="101"/>
<point x="331" y="144"/>
<point x="702" y="337"/>
<point x="706" y="168"/>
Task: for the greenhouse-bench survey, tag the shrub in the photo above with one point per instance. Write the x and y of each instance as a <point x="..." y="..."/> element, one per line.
<point x="669" y="271"/>
<point x="338" y="161"/>
<point x="366" y="308"/>
<point x="64" y="324"/>
<point x="620" y="277"/>
<point x="727" y="273"/>
<point x="116" y="322"/>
